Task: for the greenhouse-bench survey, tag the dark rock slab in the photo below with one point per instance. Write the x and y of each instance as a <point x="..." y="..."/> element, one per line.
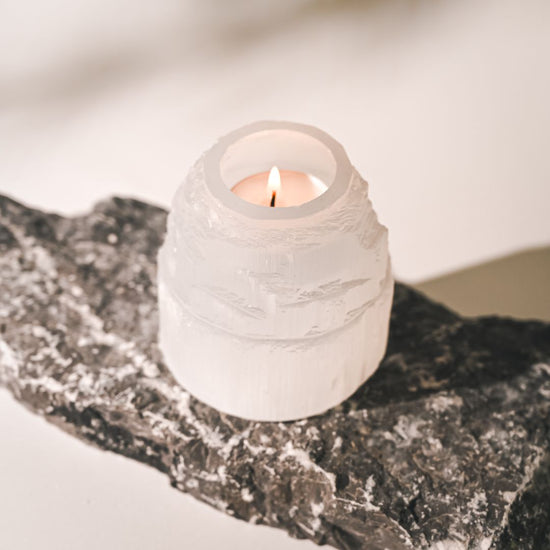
<point x="447" y="446"/>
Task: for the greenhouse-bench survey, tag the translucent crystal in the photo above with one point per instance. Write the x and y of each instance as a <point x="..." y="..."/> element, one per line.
<point x="273" y="313"/>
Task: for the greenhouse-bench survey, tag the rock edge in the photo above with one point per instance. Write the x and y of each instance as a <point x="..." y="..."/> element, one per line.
<point x="445" y="447"/>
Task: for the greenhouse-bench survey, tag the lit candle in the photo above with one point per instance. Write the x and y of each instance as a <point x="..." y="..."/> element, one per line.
<point x="279" y="188"/>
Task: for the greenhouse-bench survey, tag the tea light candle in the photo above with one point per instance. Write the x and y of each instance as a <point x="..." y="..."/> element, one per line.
<point x="274" y="295"/>
<point x="279" y="188"/>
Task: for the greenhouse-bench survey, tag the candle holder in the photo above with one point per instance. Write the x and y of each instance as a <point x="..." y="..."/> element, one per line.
<point x="273" y="313"/>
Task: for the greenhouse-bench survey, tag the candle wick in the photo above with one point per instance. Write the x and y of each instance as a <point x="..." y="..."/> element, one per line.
<point x="273" y="195"/>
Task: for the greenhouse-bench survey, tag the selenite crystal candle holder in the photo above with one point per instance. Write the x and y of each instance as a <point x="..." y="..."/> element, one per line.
<point x="273" y="313"/>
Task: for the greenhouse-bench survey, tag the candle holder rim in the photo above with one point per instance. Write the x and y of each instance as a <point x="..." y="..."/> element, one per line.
<point x="217" y="187"/>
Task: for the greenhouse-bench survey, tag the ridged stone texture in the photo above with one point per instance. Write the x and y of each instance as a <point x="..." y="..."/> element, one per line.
<point x="446" y="446"/>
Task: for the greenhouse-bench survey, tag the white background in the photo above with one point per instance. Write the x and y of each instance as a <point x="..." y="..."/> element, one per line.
<point x="443" y="107"/>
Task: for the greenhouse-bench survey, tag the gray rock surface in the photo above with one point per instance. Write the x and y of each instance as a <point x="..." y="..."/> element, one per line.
<point x="447" y="446"/>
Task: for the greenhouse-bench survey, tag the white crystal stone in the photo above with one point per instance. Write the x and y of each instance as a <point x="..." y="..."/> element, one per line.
<point x="273" y="313"/>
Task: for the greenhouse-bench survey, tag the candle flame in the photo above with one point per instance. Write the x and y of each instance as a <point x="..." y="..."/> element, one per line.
<point x="273" y="184"/>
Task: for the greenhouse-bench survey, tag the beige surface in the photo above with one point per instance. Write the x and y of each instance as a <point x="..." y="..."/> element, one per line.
<point x="517" y="285"/>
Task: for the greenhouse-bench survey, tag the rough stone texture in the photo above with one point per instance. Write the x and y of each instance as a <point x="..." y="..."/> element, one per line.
<point x="445" y="447"/>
